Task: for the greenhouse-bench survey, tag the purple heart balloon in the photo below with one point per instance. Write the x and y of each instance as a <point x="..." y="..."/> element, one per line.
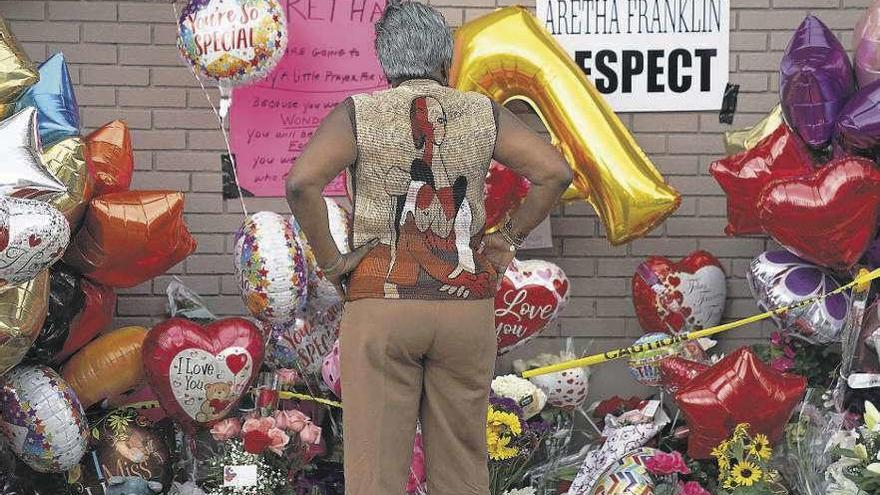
<point x="866" y="46"/>
<point x="858" y="126"/>
<point x="815" y="82"/>
<point x="779" y="278"/>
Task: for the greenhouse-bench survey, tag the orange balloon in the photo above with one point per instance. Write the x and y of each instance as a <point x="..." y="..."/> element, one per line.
<point x="107" y="366"/>
<point x="507" y="55"/>
<point x="111" y="163"/>
<point x="130" y="237"/>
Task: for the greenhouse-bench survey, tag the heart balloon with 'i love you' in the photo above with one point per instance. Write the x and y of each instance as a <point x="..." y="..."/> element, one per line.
<point x="199" y="373"/>
<point x="531" y="295"/>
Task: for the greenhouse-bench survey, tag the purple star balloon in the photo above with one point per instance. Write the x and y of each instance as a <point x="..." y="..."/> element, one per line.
<point x="858" y="126"/>
<point x="779" y="278"/>
<point x="815" y="82"/>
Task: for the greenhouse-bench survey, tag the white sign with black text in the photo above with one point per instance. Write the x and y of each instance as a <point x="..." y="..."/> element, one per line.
<point x="647" y="55"/>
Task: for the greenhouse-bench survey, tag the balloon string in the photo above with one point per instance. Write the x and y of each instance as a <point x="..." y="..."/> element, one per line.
<point x="221" y="119"/>
<point x="861" y="283"/>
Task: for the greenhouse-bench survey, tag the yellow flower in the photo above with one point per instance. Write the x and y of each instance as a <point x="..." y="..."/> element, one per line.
<point x="720" y="451"/>
<point x="746" y="473"/>
<point x="499" y="447"/>
<point x="723" y="463"/>
<point x="498" y="420"/>
<point x="760" y="447"/>
<point x="728" y="484"/>
<point x="741" y="430"/>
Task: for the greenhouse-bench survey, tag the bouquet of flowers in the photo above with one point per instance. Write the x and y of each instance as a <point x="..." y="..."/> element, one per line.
<point x="789" y="354"/>
<point x="276" y="446"/>
<point x="512" y="443"/>
<point x="744" y="464"/>
<point x="856" y="468"/>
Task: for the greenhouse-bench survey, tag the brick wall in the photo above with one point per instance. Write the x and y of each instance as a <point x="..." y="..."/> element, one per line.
<point x="125" y="65"/>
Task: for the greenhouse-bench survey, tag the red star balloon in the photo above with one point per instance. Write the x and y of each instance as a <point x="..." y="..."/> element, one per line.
<point x="744" y="175"/>
<point x="738" y="389"/>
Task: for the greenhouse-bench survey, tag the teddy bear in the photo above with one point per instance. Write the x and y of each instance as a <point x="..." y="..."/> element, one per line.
<point x="218" y="396"/>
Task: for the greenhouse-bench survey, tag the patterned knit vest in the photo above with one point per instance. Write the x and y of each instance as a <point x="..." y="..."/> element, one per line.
<point x="417" y="186"/>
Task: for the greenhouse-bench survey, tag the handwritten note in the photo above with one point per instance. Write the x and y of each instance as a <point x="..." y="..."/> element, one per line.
<point x="329" y="57"/>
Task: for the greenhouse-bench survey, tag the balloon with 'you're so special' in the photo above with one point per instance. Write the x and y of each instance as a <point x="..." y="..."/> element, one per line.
<point x="508" y="56"/>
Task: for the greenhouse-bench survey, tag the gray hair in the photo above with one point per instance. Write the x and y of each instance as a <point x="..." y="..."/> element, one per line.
<point x="412" y="40"/>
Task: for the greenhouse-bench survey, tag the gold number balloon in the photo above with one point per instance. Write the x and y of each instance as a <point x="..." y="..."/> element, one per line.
<point x="507" y="56"/>
<point x="22" y="313"/>
<point x="107" y="366"/>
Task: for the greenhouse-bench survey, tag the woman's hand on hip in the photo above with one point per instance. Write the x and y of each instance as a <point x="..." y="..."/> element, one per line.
<point x="498" y="251"/>
<point x="338" y="273"/>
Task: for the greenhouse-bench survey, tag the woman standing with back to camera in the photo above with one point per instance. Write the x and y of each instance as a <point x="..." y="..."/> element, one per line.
<point x="417" y="338"/>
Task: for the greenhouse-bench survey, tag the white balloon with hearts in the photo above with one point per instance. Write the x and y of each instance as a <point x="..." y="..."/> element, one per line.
<point x="564" y="389"/>
<point x="531" y="295"/>
<point x="33" y="236"/>
<point x="206" y="385"/>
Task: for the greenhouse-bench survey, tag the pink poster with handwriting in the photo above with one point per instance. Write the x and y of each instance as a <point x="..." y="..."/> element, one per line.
<point x="330" y="56"/>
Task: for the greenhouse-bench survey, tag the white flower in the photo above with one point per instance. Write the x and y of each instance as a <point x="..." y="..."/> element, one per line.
<point x="872" y="417"/>
<point x="525" y="393"/>
<point x="521" y="491"/>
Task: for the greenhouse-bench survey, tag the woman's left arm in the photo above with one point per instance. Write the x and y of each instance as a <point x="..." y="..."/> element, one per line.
<point x="330" y="150"/>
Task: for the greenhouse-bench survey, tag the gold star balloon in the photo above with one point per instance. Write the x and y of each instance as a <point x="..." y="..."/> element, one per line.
<point x="17" y="71"/>
<point x="22" y="174"/>
<point x="65" y="160"/>
<point x="22" y="313"/>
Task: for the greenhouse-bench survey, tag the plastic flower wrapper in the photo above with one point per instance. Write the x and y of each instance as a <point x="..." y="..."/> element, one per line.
<point x="623" y="434"/>
<point x="529" y="397"/>
<point x="855" y="469"/>
<point x="803" y="454"/>
<point x="183" y="302"/>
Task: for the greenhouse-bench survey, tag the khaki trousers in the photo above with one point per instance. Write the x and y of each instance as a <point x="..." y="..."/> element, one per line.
<point x="401" y="360"/>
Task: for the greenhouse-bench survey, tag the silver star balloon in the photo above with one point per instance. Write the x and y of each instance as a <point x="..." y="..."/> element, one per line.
<point x="22" y="173"/>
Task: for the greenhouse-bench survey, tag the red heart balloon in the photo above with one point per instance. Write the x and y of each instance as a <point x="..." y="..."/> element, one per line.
<point x="532" y="293"/>
<point x="828" y="217"/>
<point x="199" y="373"/>
<point x="675" y="297"/>
<point x="744" y="175"/>
<point x="504" y="190"/>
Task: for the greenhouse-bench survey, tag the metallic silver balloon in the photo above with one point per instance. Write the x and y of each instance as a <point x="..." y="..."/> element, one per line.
<point x="22" y="174"/>
<point x="779" y="278"/>
<point x="41" y="419"/>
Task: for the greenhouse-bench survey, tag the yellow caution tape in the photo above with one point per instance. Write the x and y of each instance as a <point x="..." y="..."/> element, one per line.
<point x="861" y="283"/>
<point x="294" y="395"/>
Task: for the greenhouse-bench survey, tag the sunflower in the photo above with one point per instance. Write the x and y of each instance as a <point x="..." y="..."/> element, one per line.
<point x="499" y="447"/>
<point x="720" y="451"/>
<point x="723" y="463"/>
<point x="746" y="473"/>
<point x="741" y="431"/>
<point x="760" y="447"/>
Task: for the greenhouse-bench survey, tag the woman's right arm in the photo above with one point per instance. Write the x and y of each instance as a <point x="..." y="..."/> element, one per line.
<point x="525" y="152"/>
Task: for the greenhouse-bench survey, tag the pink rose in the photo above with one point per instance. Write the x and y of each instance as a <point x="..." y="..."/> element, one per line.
<point x="782" y="364"/>
<point x="789" y="352"/>
<point x="287" y="377"/>
<point x="292" y="420"/>
<point x="692" y="488"/>
<point x="776" y="339"/>
<point x="663" y="463"/>
<point x="278" y="440"/>
<point x="226" y="429"/>
<point x="310" y="434"/>
<point x="258" y="424"/>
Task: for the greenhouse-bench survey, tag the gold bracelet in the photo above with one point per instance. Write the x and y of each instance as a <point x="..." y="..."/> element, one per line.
<point x="507" y="233"/>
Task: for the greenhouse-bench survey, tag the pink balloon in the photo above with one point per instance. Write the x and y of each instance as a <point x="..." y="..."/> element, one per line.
<point x="866" y="46"/>
<point x="330" y="370"/>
